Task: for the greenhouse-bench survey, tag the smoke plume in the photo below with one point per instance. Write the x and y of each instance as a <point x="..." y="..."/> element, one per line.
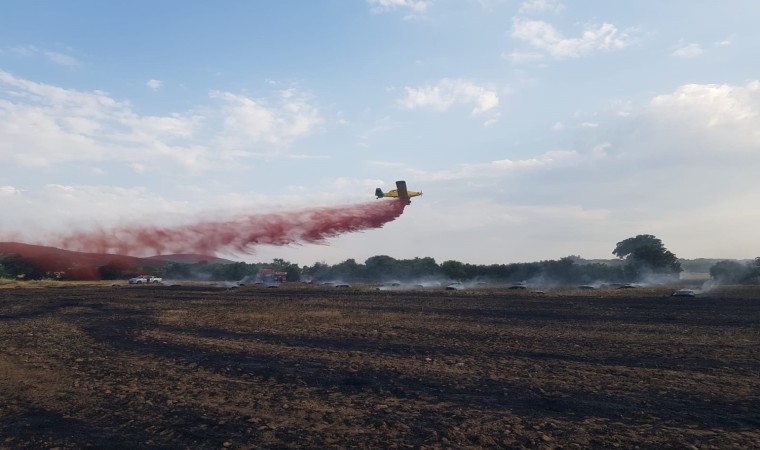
<point x="239" y="235"/>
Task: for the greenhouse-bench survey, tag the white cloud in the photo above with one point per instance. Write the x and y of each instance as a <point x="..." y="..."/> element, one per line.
<point x="447" y="93"/>
<point x="74" y="206"/>
<point x="688" y="51"/>
<point x="655" y="170"/>
<point x="711" y="105"/>
<point x="718" y="118"/>
<point x="414" y="6"/>
<point x="249" y="121"/>
<point x="541" y="6"/>
<point x="155" y="84"/>
<point x="668" y="161"/>
<point x="500" y="167"/>
<point x="6" y="191"/>
<point x="25" y="50"/>
<point x="42" y="125"/>
<point x="543" y="36"/>
<point x="61" y="59"/>
<point x="52" y="56"/>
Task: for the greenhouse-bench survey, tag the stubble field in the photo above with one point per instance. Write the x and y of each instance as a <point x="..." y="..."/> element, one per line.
<point x="322" y="367"/>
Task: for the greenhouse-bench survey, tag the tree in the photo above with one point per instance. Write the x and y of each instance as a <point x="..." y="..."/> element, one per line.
<point x="454" y="270"/>
<point x="601" y="272"/>
<point x="317" y="271"/>
<point x="645" y="254"/>
<point x="17" y="266"/>
<point x="348" y="270"/>
<point x="382" y="267"/>
<point x="753" y="274"/>
<point x="178" y="271"/>
<point x="564" y="271"/>
<point x="419" y="267"/>
<point x="294" y="272"/>
<point x="235" y="271"/>
<point x="730" y="271"/>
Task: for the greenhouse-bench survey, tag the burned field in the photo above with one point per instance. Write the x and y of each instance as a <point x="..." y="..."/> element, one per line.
<point x="307" y="366"/>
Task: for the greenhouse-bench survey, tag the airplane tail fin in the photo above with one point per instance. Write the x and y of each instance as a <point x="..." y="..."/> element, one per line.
<point x="379" y="193"/>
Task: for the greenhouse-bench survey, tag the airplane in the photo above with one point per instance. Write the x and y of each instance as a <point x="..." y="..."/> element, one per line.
<point x="400" y="192"/>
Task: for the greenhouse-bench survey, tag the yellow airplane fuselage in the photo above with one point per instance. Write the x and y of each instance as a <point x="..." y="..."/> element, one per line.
<point x="394" y="193"/>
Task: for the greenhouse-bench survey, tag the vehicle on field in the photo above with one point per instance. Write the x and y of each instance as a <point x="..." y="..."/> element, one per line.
<point x="270" y="276"/>
<point x="684" y="293"/>
<point x="145" y="279"/>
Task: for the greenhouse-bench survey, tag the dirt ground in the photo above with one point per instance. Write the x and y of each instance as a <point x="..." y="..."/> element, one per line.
<point x="323" y="367"/>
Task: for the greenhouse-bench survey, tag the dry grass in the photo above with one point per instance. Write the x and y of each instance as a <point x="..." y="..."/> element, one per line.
<point x="319" y="367"/>
<point x="7" y="283"/>
<point x="324" y="314"/>
<point x="11" y="371"/>
<point x="245" y="317"/>
<point x="42" y="380"/>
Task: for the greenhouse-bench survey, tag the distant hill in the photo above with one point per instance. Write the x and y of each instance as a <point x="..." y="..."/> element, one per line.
<point x="89" y="266"/>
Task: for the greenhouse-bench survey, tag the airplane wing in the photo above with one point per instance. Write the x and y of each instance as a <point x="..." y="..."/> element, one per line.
<point x="401" y="189"/>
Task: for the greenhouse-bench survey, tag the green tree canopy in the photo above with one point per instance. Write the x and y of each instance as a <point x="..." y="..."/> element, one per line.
<point x="382" y="266"/>
<point x="19" y="267"/>
<point x="347" y="270"/>
<point x="646" y="254"/>
<point x="730" y="271"/>
<point x="454" y="270"/>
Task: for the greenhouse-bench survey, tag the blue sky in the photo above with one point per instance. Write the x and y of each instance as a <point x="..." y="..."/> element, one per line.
<point x="536" y="129"/>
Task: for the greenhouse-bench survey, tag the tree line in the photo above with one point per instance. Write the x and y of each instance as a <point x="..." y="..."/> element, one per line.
<point x="639" y="258"/>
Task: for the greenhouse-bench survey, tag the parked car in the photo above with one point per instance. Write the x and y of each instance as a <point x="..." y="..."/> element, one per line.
<point x="145" y="279"/>
<point x="684" y="293"/>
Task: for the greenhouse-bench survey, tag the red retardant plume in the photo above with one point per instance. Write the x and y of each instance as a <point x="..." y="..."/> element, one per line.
<point x="240" y="234"/>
